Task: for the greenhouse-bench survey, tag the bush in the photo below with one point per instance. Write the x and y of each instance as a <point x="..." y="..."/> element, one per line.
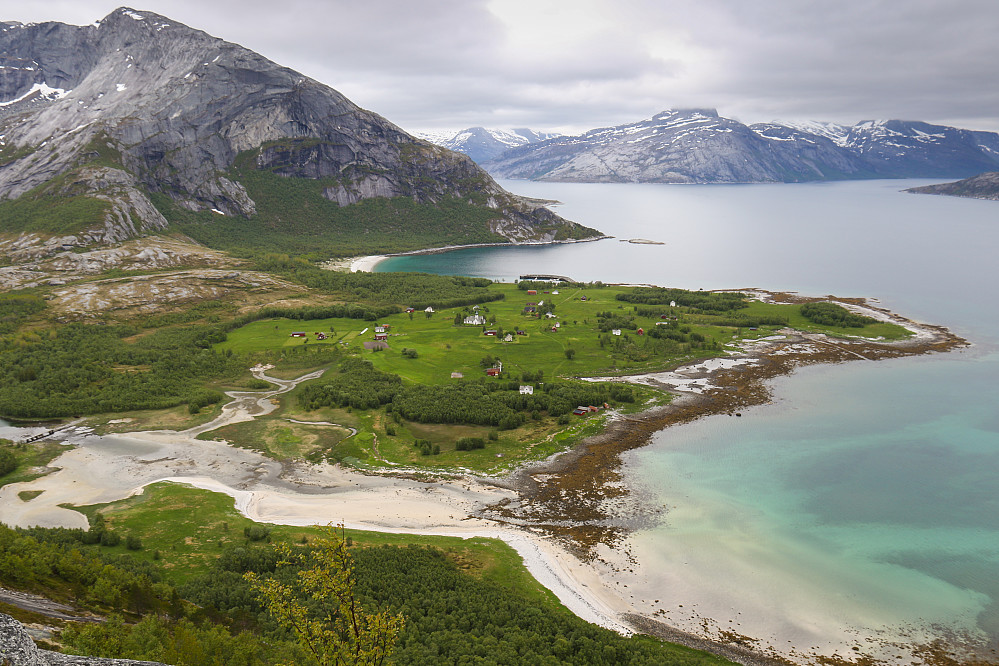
<point x="133" y="542"/>
<point x="256" y="532"/>
<point x="469" y="444"/>
<point x="8" y="462"/>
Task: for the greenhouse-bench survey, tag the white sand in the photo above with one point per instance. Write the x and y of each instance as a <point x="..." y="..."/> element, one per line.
<point x="366" y="264"/>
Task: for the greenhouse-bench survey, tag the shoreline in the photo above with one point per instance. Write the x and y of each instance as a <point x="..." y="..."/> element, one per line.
<point x="551" y="512"/>
<point x="366" y="264"/>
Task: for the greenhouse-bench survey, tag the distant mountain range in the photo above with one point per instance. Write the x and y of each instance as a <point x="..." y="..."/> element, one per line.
<point x="137" y="123"/>
<point x="482" y="144"/>
<point x="699" y="146"/>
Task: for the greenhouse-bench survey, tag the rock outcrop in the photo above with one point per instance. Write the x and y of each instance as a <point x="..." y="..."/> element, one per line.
<point x="17" y="649"/>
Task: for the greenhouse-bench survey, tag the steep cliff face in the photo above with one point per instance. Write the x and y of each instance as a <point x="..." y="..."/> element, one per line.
<point x="169" y="108"/>
<point x="699" y="146"/>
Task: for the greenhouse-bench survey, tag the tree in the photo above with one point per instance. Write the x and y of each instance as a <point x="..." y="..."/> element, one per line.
<point x="339" y="632"/>
<point x="570" y="353"/>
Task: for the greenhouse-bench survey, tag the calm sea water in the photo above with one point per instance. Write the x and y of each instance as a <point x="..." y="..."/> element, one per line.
<point x="867" y="495"/>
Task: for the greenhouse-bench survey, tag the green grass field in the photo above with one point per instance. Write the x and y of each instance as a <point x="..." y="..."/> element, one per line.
<point x="442" y="347"/>
<point x="189" y="527"/>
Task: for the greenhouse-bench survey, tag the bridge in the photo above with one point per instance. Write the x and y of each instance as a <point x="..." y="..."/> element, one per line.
<point x="537" y="277"/>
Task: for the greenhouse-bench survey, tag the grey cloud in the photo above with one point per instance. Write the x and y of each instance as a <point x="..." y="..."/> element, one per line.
<point x="451" y="63"/>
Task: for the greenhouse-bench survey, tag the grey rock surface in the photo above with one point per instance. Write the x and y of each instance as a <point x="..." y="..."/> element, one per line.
<point x="17" y="649"/>
<point x="175" y="106"/>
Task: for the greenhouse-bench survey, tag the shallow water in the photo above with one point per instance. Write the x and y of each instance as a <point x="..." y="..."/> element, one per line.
<point x="865" y="496"/>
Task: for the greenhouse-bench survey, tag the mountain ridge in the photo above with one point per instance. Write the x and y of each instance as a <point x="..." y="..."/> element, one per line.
<point x="700" y="146"/>
<point x="147" y="105"/>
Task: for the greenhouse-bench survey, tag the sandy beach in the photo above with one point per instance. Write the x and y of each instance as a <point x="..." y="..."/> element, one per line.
<point x="601" y="589"/>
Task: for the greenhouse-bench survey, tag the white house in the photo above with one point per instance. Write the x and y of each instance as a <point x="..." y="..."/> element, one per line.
<point x="429" y="310"/>
<point x="616" y="331"/>
<point x="527" y="390"/>
<point x="508" y="338"/>
<point x="379" y="329"/>
<point x="672" y="304"/>
<point x="475" y="320"/>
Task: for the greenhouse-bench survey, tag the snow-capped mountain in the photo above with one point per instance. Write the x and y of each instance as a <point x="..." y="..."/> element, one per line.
<point x="699" y="146"/>
<point x="482" y="144"/>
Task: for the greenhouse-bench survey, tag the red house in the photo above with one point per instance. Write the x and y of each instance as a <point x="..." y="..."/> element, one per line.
<point x="298" y="334"/>
<point x="493" y="372"/>
<point x="532" y="292"/>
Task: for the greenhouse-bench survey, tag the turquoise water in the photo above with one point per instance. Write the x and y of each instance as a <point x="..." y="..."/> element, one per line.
<point x="867" y="495"/>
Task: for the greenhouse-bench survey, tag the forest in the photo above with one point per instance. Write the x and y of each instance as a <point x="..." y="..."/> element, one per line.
<point x="450" y="617"/>
<point x="697" y="301"/>
<point x="831" y="314"/>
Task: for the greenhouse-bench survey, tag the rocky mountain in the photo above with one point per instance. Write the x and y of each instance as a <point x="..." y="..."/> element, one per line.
<point x="985" y="186"/>
<point x="699" y="146"/>
<point x="483" y="144"/>
<point x="120" y="127"/>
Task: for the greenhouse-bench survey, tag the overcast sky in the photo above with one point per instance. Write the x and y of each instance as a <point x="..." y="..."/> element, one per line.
<point x="572" y="65"/>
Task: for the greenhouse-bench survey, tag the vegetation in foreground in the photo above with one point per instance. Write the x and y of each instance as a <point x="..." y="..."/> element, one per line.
<point x="182" y="597"/>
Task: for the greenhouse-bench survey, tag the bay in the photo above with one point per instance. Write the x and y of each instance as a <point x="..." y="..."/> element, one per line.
<point x="862" y="503"/>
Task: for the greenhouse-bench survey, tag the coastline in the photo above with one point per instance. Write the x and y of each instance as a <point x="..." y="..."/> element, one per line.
<point x="554" y="513"/>
<point x="367" y="264"/>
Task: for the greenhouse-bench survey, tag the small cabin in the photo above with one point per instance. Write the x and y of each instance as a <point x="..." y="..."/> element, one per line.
<point x="582" y="298"/>
<point x="508" y="338"/>
<point x="320" y="336"/>
<point x="532" y="292"/>
<point x="526" y="389"/>
<point x="298" y="334"/>
<point x="640" y="331"/>
<point x="520" y="332"/>
<point x="379" y="329"/>
<point x="616" y="331"/>
<point x="457" y="375"/>
<point x="410" y="310"/>
<point x="493" y="372"/>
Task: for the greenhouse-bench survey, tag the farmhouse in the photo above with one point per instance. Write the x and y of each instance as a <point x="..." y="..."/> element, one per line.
<point x="493" y="372"/>
<point x="490" y="332"/>
<point x="475" y="320"/>
<point x="379" y="329"/>
<point x="381" y="336"/>
<point x="508" y="338"/>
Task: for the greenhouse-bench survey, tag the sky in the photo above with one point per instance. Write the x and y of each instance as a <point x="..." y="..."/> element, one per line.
<point x="574" y="65"/>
